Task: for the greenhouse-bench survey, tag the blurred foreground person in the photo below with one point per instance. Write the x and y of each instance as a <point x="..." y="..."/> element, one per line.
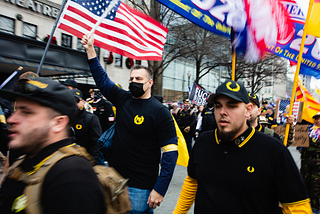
<point x="143" y="127"/>
<point x="236" y="169"/>
<point x="40" y="126"/>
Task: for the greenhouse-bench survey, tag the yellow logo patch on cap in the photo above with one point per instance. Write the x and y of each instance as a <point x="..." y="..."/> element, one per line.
<point x="38" y="84"/>
<point x="254" y="96"/>
<point x="138" y="120"/>
<point x="233" y="89"/>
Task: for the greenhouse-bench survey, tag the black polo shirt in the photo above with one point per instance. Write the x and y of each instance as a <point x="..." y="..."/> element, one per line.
<point x="250" y="174"/>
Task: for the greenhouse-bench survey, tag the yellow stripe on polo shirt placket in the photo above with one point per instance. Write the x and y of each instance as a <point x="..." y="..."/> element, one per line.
<point x="170" y="148"/>
<point x="248" y="138"/>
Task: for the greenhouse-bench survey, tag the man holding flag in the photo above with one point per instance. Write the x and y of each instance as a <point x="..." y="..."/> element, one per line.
<point x="143" y="127"/>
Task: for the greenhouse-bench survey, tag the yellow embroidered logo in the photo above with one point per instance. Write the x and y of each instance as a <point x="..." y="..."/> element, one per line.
<point x="254" y="96"/>
<point x="138" y="120"/>
<point x="77" y="93"/>
<point x="233" y="89"/>
<point x="250" y="169"/>
<point x="78" y="126"/>
<point x="38" y="84"/>
<point x="19" y="204"/>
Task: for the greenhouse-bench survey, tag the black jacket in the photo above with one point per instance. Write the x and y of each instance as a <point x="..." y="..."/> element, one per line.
<point x="87" y="134"/>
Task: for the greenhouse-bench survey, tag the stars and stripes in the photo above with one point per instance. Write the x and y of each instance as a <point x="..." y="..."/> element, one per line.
<point x="125" y="31"/>
<point x="283" y="110"/>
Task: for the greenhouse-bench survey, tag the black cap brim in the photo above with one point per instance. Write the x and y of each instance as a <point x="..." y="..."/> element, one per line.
<point x="255" y="102"/>
<point x="212" y="97"/>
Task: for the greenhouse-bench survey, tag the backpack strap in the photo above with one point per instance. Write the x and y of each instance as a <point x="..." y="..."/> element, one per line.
<point x="269" y="131"/>
<point x="34" y="179"/>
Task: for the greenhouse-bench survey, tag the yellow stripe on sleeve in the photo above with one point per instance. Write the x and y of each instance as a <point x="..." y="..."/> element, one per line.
<point x="170" y="148"/>
<point x="300" y="207"/>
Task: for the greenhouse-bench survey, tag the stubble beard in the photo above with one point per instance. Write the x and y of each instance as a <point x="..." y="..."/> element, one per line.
<point x="33" y="142"/>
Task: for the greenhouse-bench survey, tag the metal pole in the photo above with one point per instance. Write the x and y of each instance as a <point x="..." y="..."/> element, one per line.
<point x="50" y="38"/>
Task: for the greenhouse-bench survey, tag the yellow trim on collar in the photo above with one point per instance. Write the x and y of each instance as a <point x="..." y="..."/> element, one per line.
<point x="240" y="145"/>
<point x="296" y="203"/>
<point x="248" y="138"/>
<point x="260" y="128"/>
<point x="37" y="167"/>
<point x="215" y="134"/>
<point x="170" y="148"/>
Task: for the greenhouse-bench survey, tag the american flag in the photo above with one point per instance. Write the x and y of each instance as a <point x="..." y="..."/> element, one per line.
<point x="282" y="110"/>
<point x="125" y="30"/>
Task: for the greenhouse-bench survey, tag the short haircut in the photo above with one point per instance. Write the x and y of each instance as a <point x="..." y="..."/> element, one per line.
<point x="137" y="67"/>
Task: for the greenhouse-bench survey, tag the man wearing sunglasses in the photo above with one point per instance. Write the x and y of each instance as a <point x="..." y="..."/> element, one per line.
<point x="40" y="125"/>
<point x="86" y="128"/>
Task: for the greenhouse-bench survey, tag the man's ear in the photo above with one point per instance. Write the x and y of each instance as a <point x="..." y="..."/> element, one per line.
<point x="151" y="82"/>
<point x="249" y="108"/>
<point x="59" y="123"/>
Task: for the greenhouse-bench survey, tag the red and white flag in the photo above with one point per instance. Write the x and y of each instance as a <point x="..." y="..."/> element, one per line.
<point x="125" y="30"/>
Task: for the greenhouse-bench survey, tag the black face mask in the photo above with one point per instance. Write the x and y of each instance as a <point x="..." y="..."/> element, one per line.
<point x="136" y="89"/>
<point x="210" y="105"/>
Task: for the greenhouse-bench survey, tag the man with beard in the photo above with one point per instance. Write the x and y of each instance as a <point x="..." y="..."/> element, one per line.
<point x="253" y="119"/>
<point x="39" y="129"/>
<point x="235" y="169"/>
<point x="143" y="127"/>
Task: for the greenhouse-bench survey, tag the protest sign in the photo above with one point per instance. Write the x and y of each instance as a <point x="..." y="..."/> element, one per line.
<point x="198" y="94"/>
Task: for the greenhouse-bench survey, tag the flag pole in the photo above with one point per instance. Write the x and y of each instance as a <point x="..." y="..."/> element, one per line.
<point x="105" y="13"/>
<point x="50" y="38"/>
<point x="233" y="77"/>
<point x="295" y="82"/>
<point x="18" y="71"/>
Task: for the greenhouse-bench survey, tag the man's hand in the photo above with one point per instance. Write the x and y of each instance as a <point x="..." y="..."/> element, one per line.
<point x="154" y="199"/>
<point x="290" y="120"/>
<point x="187" y="129"/>
<point x="87" y="43"/>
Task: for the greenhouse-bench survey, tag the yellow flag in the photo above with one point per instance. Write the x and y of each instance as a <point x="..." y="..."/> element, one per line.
<point x="314" y="21"/>
<point x="183" y="155"/>
<point x="311" y="105"/>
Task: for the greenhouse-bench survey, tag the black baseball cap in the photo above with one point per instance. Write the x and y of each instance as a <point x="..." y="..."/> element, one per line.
<point x="71" y="82"/>
<point x="76" y="93"/>
<point x="254" y="98"/>
<point x="44" y="91"/>
<point x="316" y="115"/>
<point x="232" y="89"/>
<point x="265" y="102"/>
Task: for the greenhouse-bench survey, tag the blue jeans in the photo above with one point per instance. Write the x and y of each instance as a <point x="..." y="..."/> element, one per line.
<point x="139" y="199"/>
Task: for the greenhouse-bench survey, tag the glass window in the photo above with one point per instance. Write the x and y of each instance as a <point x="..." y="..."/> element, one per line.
<point x="138" y="62"/>
<point x="66" y="40"/>
<point x="269" y="90"/>
<point x="7" y="24"/>
<point x="118" y="60"/>
<point x="29" y="30"/>
<point x="79" y="46"/>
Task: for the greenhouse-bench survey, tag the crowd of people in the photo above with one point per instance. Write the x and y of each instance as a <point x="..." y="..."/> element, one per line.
<point x="237" y="164"/>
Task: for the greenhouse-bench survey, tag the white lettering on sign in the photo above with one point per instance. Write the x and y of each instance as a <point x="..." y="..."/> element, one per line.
<point x="36" y="7"/>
